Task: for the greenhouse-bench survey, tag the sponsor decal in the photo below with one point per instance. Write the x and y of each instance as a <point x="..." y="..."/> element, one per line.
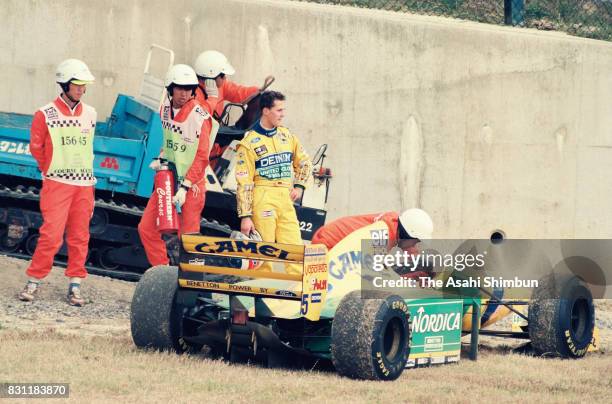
<point x="438" y="322"/>
<point x="255" y="140"/>
<point x="261" y="150"/>
<point x="164" y="200"/>
<point x="400" y="305"/>
<point x="166" y="113"/>
<point x="345" y="263"/>
<point x="200" y="111"/>
<point x="379" y="237"/>
<point x="572" y="347"/>
<point x="227" y="287"/>
<point x="267" y="213"/>
<point x="434" y="343"/>
<point x="275" y="166"/>
<point x="285" y="293"/>
<point x="197" y="261"/>
<point x="423" y="361"/>
<point x="318" y="284"/>
<point x="318" y="250"/>
<point x="273" y="159"/>
<point x="240" y="162"/>
<point x="381" y="364"/>
<point x="314" y="269"/>
<point x="203" y="284"/>
<point x="51" y="113"/>
<point x="15" y="147"/>
<point x="232" y="246"/>
<point x="315" y="298"/>
<point x="240" y="288"/>
<point x="241" y="174"/>
<point x="451" y="358"/>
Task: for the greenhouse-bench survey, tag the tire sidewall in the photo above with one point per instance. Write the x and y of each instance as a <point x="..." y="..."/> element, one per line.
<point x="155" y="316"/>
<point x="394" y="307"/>
<point x="572" y="292"/>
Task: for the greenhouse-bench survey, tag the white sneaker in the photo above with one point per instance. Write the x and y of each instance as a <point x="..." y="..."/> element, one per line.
<point x="29" y="293"/>
<point x="74" y="296"/>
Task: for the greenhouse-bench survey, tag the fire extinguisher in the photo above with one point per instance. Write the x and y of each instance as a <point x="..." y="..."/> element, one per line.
<point x="167" y="216"/>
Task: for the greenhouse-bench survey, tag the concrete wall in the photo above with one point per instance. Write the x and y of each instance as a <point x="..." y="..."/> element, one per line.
<point x="486" y="127"/>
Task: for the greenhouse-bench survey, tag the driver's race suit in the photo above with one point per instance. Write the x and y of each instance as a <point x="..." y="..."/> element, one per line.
<point x="270" y="163"/>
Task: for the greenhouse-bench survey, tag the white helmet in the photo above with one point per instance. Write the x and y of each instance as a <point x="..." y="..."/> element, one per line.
<point x="212" y="63"/>
<point x="181" y="75"/>
<point x="73" y="70"/>
<point x="255" y="236"/>
<point x="417" y="223"/>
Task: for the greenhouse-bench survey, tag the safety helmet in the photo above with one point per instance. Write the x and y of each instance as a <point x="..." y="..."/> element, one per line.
<point x="212" y="63"/>
<point x="416" y="223"/>
<point x="181" y="75"/>
<point x="73" y="70"/>
<point x="254" y="236"/>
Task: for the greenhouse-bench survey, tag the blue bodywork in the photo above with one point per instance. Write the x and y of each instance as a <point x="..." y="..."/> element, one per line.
<point x="124" y="145"/>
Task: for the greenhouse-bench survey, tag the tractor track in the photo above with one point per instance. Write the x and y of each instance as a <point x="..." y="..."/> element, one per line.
<point x="99" y="223"/>
<point x="33" y="193"/>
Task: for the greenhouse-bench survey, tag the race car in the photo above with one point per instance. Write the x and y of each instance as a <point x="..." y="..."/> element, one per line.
<point x="325" y="313"/>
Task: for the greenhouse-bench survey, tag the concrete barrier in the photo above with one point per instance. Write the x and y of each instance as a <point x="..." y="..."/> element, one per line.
<point x="486" y="127"/>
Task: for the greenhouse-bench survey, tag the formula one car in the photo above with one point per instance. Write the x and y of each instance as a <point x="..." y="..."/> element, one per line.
<point x="323" y="313"/>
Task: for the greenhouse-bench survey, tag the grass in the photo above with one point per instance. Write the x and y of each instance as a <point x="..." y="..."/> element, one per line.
<point x="101" y="369"/>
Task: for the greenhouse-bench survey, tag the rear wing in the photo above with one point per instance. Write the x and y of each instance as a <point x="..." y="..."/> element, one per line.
<point x="312" y="281"/>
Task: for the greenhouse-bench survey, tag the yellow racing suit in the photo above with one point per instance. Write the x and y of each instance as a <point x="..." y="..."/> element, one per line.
<point x="270" y="163"/>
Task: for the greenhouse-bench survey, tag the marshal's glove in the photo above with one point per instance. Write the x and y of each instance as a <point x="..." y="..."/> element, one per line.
<point x="179" y="197"/>
<point x="210" y="85"/>
<point x="181" y="194"/>
<point x="156" y="163"/>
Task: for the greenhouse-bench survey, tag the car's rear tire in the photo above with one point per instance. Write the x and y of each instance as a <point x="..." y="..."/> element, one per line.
<point x="371" y="337"/>
<point x="154" y="316"/>
<point x="561" y="317"/>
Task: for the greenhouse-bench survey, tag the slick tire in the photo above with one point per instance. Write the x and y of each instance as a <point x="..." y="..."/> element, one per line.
<point x="154" y="316"/>
<point x="371" y="337"/>
<point x="561" y="317"/>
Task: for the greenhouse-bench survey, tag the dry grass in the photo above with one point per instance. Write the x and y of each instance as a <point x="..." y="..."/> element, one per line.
<point x="101" y="369"/>
<point x="90" y="348"/>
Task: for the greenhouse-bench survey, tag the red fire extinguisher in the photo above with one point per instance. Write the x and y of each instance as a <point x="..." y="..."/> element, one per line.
<point x="167" y="217"/>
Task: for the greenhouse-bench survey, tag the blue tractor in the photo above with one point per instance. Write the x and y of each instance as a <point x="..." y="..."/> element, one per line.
<point x="124" y="146"/>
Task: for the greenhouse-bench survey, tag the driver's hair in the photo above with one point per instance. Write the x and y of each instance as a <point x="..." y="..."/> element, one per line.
<point x="268" y="98"/>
